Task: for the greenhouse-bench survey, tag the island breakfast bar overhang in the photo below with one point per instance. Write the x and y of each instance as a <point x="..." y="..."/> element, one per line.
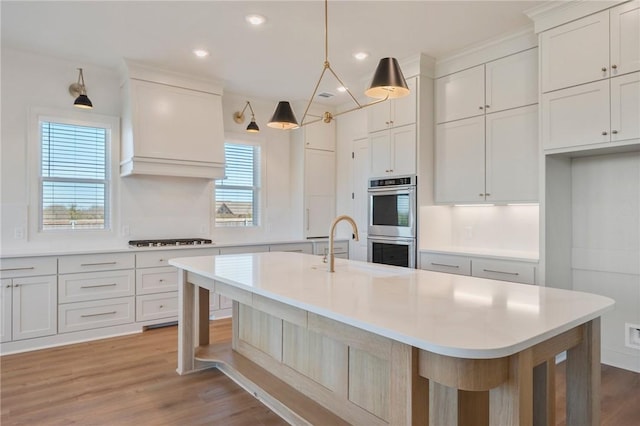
<point x="378" y="345"/>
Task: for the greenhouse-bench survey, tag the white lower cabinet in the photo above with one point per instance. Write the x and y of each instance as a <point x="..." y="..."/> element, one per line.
<point x="157" y="306"/>
<point x="95" y="285"/>
<point x="95" y="314"/>
<point x="28" y="303"/>
<point x="496" y="269"/>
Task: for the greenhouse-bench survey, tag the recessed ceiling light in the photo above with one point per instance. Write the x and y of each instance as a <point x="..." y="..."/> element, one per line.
<point x="361" y="56"/>
<point x="255" y="19"/>
<point x="342" y="89"/>
<point x="200" y="53"/>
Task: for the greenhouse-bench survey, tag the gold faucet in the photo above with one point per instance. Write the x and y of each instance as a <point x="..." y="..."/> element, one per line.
<point x="332" y="257"/>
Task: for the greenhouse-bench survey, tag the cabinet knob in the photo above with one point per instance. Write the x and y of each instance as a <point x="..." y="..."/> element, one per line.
<point x="604" y="69"/>
<point x="487" y="106"/>
<point x="161" y="306"/>
<point x="161" y="260"/>
<point x="161" y="280"/>
<point x="614" y="132"/>
<point x="614" y="66"/>
<point x="481" y="195"/>
<point x="480" y="107"/>
<point x="487" y="194"/>
<point x="16" y="285"/>
<point x="604" y="133"/>
<point x="391" y="170"/>
<point x="8" y="285"/>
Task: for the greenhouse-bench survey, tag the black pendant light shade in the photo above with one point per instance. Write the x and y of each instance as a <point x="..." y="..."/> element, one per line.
<point x="283" y="117"/>
<point x="83" y="101"/>
<point x="253" y="126"/>
<point x="388" y="81"/>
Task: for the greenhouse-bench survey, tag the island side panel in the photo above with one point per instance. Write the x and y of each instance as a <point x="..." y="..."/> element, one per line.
<point x="186" y="326"/>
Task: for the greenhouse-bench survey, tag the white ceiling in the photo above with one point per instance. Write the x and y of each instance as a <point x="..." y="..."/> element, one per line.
<point x="282" y="59"/>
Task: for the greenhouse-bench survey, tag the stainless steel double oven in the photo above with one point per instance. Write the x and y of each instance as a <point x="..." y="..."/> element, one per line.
<point x="392" y="220"/>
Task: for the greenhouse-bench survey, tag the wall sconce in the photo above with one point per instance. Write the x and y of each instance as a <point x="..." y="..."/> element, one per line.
<point x="79" y="91"/>
<point x="238" y="117"/>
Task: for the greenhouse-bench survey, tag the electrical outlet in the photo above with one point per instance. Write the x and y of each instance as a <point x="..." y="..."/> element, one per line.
<point x="126" y="231"/>
<point x="18" y="233"/>
<point x="632" y="335"/>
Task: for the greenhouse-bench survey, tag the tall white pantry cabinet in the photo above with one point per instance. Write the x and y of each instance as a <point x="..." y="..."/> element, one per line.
<point x="590" y="135"/>
<point x="487" y="132"/>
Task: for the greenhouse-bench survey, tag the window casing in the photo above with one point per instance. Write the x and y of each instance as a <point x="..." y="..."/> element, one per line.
<point x="237" y="196"/>
<point x="74" y="177"/>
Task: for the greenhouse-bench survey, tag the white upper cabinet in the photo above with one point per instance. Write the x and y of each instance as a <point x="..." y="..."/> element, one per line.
<point x="393" y="152"/>
<point x="394" y="112"/>
<point x="460" y="95"/>
<point x="512" y="81"/>
<point x="598" y="46"/>
<point x="575" y="53"/>
<point x="625" y="38"/>
<point x="505" y="83"/>
<point x="170" y="126"/>
<point x="320" y="135"/>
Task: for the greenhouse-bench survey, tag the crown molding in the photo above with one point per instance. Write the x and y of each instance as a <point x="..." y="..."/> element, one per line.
<point x="555" y="13"/>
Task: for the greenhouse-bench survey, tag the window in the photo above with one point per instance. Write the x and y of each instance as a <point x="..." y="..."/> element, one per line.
<point x="74" y="176"/>
<point x="236" y="196"/>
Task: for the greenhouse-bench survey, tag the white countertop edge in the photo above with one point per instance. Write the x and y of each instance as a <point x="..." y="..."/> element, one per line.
<point x="521" y="256"/>
<point x="52" y="252"/>
<point x="409" y="340"/>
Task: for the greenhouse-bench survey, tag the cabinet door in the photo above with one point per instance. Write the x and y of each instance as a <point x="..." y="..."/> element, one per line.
<point x="512" y="81"/>
<point x="575" y="53"/>
<point x="34" y="307"/>
<point x="460" y="161"/>
<point x="512" y="155"/>
<point x="5" y="310"/>
<point x="320" y="189"/>
<point x="403" y="150"/>
<point x="576" y="116"/>
<point x="460" y="95"/>
<point x="404" y="110"/>
<point x="175" y="123"/>
<point x="379" y="117"/>
<point x="379" y="149"/>
<point x="625" y="38"/>
<point x="360" y="174"/>
<point x="320" y="135"/>
<point x="625" y="107"/>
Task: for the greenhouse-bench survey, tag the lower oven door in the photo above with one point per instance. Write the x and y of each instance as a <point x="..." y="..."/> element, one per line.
<point x="392" y="251"/>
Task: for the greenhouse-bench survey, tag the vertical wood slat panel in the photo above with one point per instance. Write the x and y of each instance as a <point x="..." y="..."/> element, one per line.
<point x="512" y="402"/>
<point x="261" y="331"/>
<point x="369" y="381"/>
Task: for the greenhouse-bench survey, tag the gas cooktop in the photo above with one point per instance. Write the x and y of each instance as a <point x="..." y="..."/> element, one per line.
<point x="170" y="242"/>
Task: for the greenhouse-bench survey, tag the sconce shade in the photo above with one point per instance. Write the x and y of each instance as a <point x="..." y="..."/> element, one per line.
<point x="253" y="126"/>
<point x="283" y="117"/>
<point x="83" y="101"/>
<point x="388" y="81"/>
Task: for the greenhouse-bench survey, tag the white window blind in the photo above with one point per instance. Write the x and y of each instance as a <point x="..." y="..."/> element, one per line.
<point x="236" y="196"/>
<point x="74" y="183"/>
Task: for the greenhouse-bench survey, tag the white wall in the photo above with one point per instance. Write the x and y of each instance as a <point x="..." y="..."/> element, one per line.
<point x="148" y="206"/>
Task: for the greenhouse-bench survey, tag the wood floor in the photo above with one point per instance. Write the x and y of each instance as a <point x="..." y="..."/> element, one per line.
<point x="131" y="380"/>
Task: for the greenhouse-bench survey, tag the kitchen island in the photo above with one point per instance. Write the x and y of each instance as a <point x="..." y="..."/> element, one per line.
<point x="374" y="344"/>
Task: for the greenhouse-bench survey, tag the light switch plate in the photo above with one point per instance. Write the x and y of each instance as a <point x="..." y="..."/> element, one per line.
<point x="632" y="335"/>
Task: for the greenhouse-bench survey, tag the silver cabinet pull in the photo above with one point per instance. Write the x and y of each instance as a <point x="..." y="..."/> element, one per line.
<point x="98" y="285"/>
<point x="8" y="285"/>
<point x="26" y="268"/>
<point x="604" y="69"/>
<point x="614" y="132"/>
<point x="614" y="66"/>
<point x="500" y="272"/>
<point x="445" y="265"/>
<point x="480" y="107"/>
<point x="487" y="106"/>
<point x="487" y="194"/>
<point x="481" y="195"/>
<point x="308" y="219"/>
<point x="604" y="133"/>
<point x="98" y="264"/>
<point x="96" y="315"/>
<point x="161" y="306"/>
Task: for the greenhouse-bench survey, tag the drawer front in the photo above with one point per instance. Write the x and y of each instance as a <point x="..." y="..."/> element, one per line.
<point x="157" y="306"/>
<point x="156" y="280"/>
<point x="95" y="314"/>
<point x="503" y="270"/>
<point x="96" y="262"/>
<point x="95" y="286"/>
<point x="153" y="258"/>
<point x="28" y="267"/>
<point x="293" y="247"/>
<point x="244" y="249"/>
<point x="444" y="263"/>
<point x="339" y="247"/>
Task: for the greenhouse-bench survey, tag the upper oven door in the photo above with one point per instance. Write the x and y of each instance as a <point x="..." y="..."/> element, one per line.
<point x="392" y="212"/>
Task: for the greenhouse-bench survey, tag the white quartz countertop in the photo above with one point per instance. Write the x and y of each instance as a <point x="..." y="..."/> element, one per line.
<point x="453" y="315"/>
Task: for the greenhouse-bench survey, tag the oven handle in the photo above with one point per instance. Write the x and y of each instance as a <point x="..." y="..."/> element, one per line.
<point x="392" y="189"/>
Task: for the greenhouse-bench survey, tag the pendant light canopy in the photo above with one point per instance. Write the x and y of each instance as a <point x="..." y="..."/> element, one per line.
<point x="238" y="117"/>
<point x="283" y="117"/>
<point x="79" y="91"/>
<point x="388" y="82"/>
